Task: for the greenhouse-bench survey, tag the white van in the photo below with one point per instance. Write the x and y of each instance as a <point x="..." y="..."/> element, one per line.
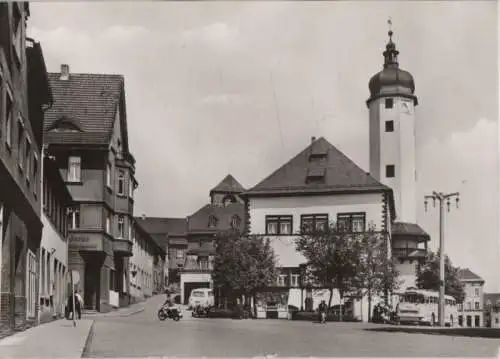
<point x="201" y="296"/>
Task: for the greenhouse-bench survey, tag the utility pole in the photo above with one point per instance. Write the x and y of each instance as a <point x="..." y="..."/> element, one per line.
<point x="441" y="198"/>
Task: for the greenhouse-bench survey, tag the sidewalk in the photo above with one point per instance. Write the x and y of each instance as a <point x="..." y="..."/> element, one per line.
<point x="122" y="312"/>
<point x="58" y="339"/>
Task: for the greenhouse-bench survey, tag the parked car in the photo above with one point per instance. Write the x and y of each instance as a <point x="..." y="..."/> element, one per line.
<point x="201" y="297"/>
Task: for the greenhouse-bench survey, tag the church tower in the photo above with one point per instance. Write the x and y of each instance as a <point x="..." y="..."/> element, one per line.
<point x="391" y="108"/>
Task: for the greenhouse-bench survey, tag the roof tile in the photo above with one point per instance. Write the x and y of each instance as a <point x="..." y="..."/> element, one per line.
<point x="228" y="185"/>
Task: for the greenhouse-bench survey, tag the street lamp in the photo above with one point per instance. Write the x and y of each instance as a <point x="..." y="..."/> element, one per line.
<point x="442" y="198"/>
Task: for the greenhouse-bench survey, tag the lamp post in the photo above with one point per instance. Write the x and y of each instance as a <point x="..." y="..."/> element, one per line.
<point x="442" y="198"/>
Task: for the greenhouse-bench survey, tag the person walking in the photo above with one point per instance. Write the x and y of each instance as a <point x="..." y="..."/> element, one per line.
<point x="322" y="312"/>
<point x="78" y="304"/>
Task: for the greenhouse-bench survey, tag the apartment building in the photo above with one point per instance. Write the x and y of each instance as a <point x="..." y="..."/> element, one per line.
<point x="24" y="95"/>
<point x="470" y="312"/>
<point x="491" y="310"/>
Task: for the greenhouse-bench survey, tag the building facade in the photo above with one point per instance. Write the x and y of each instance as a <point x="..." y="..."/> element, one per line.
<point x="491" y="310"/>
<point x="318" y="186"/>
<point x="146" y="266"/>
<point x="24" y="95"/>
<point x="53" y="276"/>
<point x="86" y="132"/>
<point x="471" y="311"/>
<point x="391" y="107"/>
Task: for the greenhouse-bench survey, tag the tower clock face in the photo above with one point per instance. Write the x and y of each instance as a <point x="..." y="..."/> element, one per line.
<point x="406" y="107"/>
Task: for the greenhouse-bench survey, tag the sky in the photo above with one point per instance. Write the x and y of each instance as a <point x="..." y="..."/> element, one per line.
<point x="240" y="87"/>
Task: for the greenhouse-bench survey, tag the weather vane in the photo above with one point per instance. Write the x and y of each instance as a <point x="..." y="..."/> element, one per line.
<point x="389" y="22"/>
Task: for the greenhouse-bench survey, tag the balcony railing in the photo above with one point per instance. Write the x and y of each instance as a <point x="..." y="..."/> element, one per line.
<point x="409" y="252"/>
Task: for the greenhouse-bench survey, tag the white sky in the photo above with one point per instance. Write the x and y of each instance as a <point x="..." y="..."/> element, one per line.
<point x="200" y="98"/>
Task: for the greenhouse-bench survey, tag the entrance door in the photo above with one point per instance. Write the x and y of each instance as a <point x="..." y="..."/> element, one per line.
<point x="189" y="286"/>
<point x="91" y="287"/>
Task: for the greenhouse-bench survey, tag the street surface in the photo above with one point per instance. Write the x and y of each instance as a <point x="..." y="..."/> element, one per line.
<point x="143" y="334"/>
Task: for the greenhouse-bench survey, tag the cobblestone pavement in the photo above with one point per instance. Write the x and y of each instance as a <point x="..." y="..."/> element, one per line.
<point x="144" y="335"/>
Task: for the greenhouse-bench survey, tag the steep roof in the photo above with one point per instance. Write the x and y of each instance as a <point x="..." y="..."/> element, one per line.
<point x="409" y="229"/>
<point x="159" y="243"/>
<point x="199" y="221"/>
<point x="466" y="275"/>
<point x="163" y="225"/>
<point x="87" y="100"/>
<point x="320" y="160"/>
<point x="228" y="185"/>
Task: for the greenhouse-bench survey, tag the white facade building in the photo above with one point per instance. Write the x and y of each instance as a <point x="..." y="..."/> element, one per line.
<point x="53" y="263"/>
<point x="320" y="185"/>
<point x="471" y="311"/>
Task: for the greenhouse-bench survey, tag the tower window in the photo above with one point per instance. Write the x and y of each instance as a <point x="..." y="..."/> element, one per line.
<point x="389" y="103"/>
<point x="389" y="171"/>
<point x="389" y="126"/>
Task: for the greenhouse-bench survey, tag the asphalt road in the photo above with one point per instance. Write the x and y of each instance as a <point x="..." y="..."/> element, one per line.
<point x="144" y="335"/>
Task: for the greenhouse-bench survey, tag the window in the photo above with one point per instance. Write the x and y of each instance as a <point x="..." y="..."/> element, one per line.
<point x="469" y="306"/>
<point x="313" y="222"/>
<point x="108" y="224"/>
<point x="389" y="103"/>
<point x="131" y="188"/>
<point x="35" y="174"/>
<point x="119" y="153"/>
<point x="121" y="183"/>
<point x="20" y="136"/>
<point x="27" y="156"/>
<point x="476" y="305"/>
<point x="351" y="222"/>
<point x="389" y="126"/>
<point x="112" y="283"/>
<point x="180" y="253"/>
<point x="74" y="218"/>
<point x="121" y="226"/>
<point x="476" y="292"/>
<point x="281" y="280"/>
<point x="390" y="171"/>
<point x="279" y="225"/>
<point x="8" y="125"/>
<point x="17" y="32"/>
<point x="235" y="222"/>
<point x="74" y="169"/>
<point x="477" y="321"/>
<point x="129" y="232"/>
<point x="31" y="284"/>
<point x="295" y="280"/>
<point x="460" y="306"/>
<point x="108" y="175"/>
<point x="212" y="221"/>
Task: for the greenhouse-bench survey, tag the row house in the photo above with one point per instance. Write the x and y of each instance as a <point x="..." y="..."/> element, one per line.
<point x="53" y="276"/>
<point x="85" y="132"/>
<point x="24" y="96"/>
<point x="470" y="312"/>
<point x="146" y="265"/>
<point x="491" y="310"/>
<point x="318" y="186"/>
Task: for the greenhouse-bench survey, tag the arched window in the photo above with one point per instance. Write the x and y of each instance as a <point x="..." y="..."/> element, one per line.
<point x="212" y="221"/>
<point x="235" y="222"/>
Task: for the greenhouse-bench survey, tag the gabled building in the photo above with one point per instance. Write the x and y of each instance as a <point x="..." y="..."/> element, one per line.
<point x="86" y="132"/>
<point x="225" y="211"/>
<point x="491" y="310"/>
<point x="318" y="186"/>
<point x="471" y="311"/>
<point x="24" y="95"/>
<point x="147" y="264"/>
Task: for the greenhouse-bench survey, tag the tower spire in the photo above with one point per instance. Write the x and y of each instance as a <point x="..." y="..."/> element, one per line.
<point x="390" y="53"/>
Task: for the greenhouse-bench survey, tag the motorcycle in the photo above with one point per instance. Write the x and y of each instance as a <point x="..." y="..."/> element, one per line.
<point x="169" y="312"/>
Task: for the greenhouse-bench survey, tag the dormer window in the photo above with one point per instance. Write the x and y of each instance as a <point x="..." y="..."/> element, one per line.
<point x="119" y="149"/>
<point x="212" y="221"/>
<point x="316" y="175"/>
<point x="235" y="222"/>
<point x="65" y="124"/>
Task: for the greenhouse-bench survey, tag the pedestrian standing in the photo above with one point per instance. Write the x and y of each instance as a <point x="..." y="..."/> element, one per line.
<point x="322" y="312"/>
<point x="78" y="304"/>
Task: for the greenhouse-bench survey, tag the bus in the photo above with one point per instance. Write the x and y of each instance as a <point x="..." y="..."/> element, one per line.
<point x="426" y="302"/>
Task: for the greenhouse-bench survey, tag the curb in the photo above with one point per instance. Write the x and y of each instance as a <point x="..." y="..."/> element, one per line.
<point x="88" y="342"/>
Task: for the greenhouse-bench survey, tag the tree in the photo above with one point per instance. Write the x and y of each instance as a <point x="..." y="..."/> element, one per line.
<point x="243" y="264"/>
<point x="378" y="274"/>
<point x="428" y="277"/>
<point x="333" y="259"/>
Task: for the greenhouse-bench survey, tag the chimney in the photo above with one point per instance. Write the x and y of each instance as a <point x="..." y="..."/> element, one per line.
<point x="64" y="72"/>
<point x="313" y="139"/>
